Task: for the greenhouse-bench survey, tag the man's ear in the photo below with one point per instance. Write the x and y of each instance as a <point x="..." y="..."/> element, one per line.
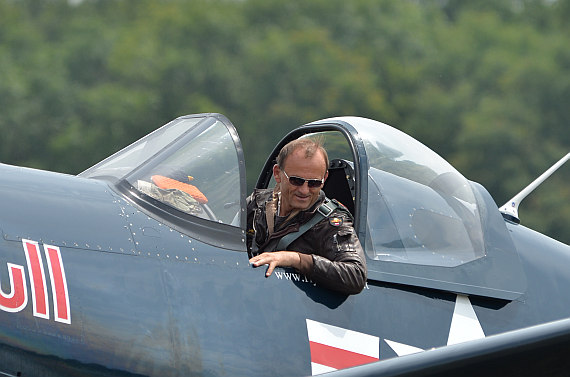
<point x="326" y="175"/>
<point x="276" y="172"/>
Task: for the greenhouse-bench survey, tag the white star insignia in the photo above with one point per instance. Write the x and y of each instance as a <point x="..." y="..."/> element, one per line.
<point x="465" y="326"/>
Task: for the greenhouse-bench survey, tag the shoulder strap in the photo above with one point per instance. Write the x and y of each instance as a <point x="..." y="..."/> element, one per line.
<point x="324" y="210"/>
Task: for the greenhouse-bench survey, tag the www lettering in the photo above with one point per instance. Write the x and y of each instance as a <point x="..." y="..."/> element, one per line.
<point x="292" y="276"/>
<point x="17" y="298"/>
<point x="297" y="277"/>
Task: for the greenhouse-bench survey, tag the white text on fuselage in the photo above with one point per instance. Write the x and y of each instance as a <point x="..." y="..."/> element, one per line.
<point x="282" y="275"/>
<point x="17" y="299"/>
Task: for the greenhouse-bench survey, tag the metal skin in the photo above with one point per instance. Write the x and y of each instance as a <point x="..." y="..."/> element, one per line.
<point x="148" y="295"/>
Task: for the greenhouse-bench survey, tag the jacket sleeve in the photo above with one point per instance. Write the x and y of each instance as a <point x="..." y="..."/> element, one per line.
<point x="339" y="263"/>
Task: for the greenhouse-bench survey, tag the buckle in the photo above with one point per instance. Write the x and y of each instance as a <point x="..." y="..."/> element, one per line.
<point x="324" y="209"/>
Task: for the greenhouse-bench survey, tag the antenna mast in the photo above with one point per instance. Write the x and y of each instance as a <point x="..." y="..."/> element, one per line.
<point x="510" y="209"/>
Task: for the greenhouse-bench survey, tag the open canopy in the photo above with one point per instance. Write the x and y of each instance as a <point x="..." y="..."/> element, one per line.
<point x="420" y="221"/>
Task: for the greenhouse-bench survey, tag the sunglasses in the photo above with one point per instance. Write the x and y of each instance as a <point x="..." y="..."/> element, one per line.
<point x="298" y="181"/>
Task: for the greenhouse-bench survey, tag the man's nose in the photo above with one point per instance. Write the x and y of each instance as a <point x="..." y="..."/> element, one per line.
<point x="304" y="188"/>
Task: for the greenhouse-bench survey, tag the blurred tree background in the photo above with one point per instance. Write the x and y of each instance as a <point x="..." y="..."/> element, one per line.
<point x="484" y="83"/>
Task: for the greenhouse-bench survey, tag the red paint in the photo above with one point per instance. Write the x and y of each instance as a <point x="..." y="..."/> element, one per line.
<point x="58" y="283"/>
<point x="37" y="278"/>
<point x="17" y="299"/>
<point x="337" y="358"/>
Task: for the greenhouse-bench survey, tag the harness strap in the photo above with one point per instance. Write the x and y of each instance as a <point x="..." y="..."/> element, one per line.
<point x="324" y="210"/>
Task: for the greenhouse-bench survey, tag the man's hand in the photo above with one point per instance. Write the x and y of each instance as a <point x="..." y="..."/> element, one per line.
<point x="277" y="259"/>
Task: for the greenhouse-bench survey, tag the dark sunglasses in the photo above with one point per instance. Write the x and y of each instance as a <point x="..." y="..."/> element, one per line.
<point x="298" y="181"/>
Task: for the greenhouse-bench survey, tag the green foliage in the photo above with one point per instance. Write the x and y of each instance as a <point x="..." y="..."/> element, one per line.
<point x="485" y="83"/>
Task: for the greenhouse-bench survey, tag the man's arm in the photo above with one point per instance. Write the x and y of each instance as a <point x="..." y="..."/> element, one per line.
<point x="338" y="261"/>
<point x="345" y="276"/>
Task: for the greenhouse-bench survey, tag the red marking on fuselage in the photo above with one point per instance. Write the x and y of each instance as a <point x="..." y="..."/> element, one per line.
<point x="37" y="278"/>
<point x="337" y="358"/>
<point x="17" y="299"/>
<point x="58" y="284"/>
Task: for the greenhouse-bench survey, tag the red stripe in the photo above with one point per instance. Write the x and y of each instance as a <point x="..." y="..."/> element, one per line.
<point x="59" y="284"/>
<point x="337" y="358"/>
<point x="38" y="279"/>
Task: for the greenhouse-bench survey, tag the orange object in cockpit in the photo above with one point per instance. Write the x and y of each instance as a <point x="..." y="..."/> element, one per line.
<point x="166" y="183"/>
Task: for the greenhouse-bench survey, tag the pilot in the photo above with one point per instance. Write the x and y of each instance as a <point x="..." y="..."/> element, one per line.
<point x="295" y="225"/>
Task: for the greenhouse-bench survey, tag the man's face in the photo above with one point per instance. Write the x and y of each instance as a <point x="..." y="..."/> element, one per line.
<point x="299" y="197"/>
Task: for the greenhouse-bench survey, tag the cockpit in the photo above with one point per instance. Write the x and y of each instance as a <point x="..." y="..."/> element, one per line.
<point x="419" y="220"/>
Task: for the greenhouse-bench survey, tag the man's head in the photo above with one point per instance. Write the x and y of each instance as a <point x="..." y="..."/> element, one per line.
<point x="305" y="159"/>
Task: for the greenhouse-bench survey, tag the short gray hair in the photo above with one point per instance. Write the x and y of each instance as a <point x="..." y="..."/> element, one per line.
<point x="311" y="146"/>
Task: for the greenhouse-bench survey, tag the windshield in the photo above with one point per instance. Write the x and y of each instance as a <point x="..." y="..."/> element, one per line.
<point x="190" y="165"/>
<point x="126" y="160"/>
<point x="421" y="210"/>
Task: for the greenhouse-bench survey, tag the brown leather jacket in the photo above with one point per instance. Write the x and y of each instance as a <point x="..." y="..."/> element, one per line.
<point x="331" y="254"/>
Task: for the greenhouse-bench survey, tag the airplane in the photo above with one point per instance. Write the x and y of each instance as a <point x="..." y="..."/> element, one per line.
<point x="138" y="266"/>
